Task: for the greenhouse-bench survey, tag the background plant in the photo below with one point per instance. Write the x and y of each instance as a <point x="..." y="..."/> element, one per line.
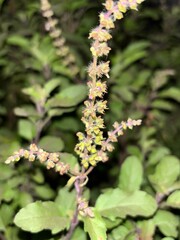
<point x="150" y="145"/>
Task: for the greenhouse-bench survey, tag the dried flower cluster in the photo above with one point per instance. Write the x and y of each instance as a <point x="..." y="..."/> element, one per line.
<point x="92" y="146"/>
<point x="52" y="160"/>
<point x="84" y="209"/>
<point x="56" y="34"/>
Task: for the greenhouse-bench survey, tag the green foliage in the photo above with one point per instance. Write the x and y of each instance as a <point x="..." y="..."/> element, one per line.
<point x="137" y="194"/>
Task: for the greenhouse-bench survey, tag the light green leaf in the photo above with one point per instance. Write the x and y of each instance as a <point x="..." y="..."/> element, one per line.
<point x="112" y="223"/>
<point x="174" y="199"/>
<point x="157" y="154"/>
<point x="167" y="223"/>
<point x="147" y="229"/>
<point x="18" y="41"/>
<point x="167" y="238"/>
<point x="39" y="216"/>
<point x="51" y="85"/>
<point x="69" y="97"/>
<point x="79" y="234"/>
<point x="51" y="144"/>
<point x="166" y="173"/>
<point x="95" y="227"/>
<point x="26" y="129"/>
<point x="66" y="201"/>
<point x="120" y="233"/>
<point x="172" y="92"/>
<point x="117" y="203"/>
<point x="131" y="174"/>
<point x="2" y="227"/>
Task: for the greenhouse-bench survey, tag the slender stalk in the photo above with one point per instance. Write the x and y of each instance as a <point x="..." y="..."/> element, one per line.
<point x="75" y="221"/>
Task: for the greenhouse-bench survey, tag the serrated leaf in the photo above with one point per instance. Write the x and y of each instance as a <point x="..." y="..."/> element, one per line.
<point x="174" y="199"/>
<point x="39" y="216"/>
<point x="95" y="227"/>
<point x="51" y="144"/>
<point x="26" y="129"/>
<point x="69" y="97"/>
<point x="167" y="223"/>
<point x="166" y="173"/>
<point x="131" y="174"/>
<point x="117" y="203"/>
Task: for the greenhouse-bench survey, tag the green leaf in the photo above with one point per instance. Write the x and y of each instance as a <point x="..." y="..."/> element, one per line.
<point x="147" y="229"/>
<point x="157" y="154"/>
<point x="117" y="203"/>
<point x="39" y="216"/>
<point x="162" y="104"/>
<point x="51" y="144"/>
<point x="172" y="92"/>
<point x="66" y="201"/>
<point x="59" y="111"/>
<point x="119" y="233"/>
<point x="79" y="234"/>
<point x="174" y="199"/>
<point x="167" y="238"/>
<point x="167" y="223"/>
<point x="18" y="41"/>
<point x="44" y="192"/>
<point x="131" y="174"/>
<point x="70" y="159"/>
<point x="2" y="227"/>
<point x="26" y="129"/>
<point x="69" y="97"/>
<point x="161" y="78"/>
<point x="95" y="227"/>
<point x="51" y="85"/>
<point x="166" y="173"/>
<point x="112" y="224"/>
<point x="6" y="172"/>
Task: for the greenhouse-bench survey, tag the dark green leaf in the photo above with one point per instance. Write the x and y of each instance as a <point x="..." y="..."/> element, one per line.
<point x="51" y="144"/>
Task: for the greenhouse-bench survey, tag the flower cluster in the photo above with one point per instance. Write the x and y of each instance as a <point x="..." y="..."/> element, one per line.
<point x="92" y="146"/>
<point x="84" y="209"/>
<point x="59" y="42"/>
<point x="52" y="160"/>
